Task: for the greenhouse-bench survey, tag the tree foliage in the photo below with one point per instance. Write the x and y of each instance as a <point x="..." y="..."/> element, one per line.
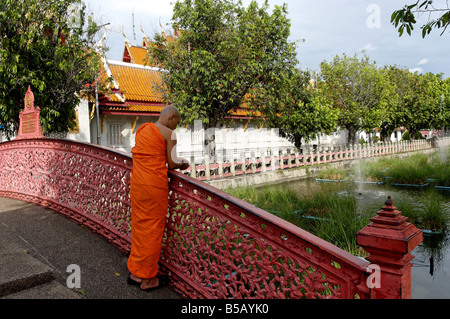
<point x="49" y="46"/>
<point x="417" y="102"/>
<point x="358" y="90"/>
<point x="304" y="112"/>
<point x="405" y="18"/>
<point x="226" y="55"/>
<point x="446" y="103"/>
<point x="414" y="111"/>
<point x="397" y="80"/>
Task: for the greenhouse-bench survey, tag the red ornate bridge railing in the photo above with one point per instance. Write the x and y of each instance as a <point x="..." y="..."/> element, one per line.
<point x="215" y="246"/>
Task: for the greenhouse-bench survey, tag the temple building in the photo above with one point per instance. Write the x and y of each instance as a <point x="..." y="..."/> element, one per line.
<point x="134" y="97"/>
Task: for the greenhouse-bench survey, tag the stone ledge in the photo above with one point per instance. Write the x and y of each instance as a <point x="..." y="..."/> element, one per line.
<point x="49" y="290"/>
<point x="20" y="271"/>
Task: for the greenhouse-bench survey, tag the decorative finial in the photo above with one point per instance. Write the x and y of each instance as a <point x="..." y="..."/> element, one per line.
<point x="123" y="33"/>
<point x="162" y="29"/>
<point x="29" y="99"/>
<point x="389" y="201"/>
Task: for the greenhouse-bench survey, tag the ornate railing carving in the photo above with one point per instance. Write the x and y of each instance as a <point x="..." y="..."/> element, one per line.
<point x="216" y="246"/>
<point x="224" y="247"/>
<point x="88" y="184"/>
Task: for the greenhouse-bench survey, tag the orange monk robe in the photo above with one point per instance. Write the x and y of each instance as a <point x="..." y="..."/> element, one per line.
<point x="149" y="201"/>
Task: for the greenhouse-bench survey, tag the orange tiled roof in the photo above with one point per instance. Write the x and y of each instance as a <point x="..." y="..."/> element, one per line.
<point x="138" y="108"/>
<point x="145" y="108"/>
<point x="137" y="83"/>
<point x="138" y="55"/>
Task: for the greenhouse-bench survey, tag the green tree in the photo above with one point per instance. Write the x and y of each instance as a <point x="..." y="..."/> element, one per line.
<point x="437" y="96"/>
<point x="419" y="101"/>
<point x="226" y="55"/>
<point x="398" y="82"/>
<point x="358" y="90"/>
<point x="405" y="18"/>
<point x="50" y="46"/>
<point x="446" y="103"/>
<point x="304" y="112"/>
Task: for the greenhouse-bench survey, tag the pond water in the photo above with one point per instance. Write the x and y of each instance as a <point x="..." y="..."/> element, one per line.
<point x="430" y="273"/>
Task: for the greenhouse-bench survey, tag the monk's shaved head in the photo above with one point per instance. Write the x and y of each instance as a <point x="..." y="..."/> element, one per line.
<point x="169" y="117"/>
<point x="169" y="110"/>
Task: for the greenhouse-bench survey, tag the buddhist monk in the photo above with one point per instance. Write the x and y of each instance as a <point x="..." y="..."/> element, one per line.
<point x="153" y="155"/>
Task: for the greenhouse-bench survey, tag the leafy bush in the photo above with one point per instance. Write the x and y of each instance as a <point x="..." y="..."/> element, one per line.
<point x="418" y="136"/>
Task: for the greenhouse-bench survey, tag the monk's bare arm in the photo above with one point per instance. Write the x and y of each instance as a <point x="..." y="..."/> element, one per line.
<point x="173" y="161"/>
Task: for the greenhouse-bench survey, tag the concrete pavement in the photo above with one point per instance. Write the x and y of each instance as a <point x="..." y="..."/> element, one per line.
<point x="36" y="248"/>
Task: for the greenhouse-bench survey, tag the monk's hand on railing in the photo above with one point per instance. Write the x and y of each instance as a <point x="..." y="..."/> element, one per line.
<point x="183" y="163"/>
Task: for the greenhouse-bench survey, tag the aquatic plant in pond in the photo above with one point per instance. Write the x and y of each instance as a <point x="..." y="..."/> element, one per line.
<point x="276" y="200"/>
<point x="434" y="215"/>
<point x="329" y="216"/>
<point x="417" y="169"/>
<point x="412" y="170"/>
<point x="341" y="224"/>
<point x="406" y="205"/>
<point x="333" y="173"/>
<point x="441" y="174"/>
<point x="426" y="209"/>
<point x="429" y="212"/>
<point x="336" y="211"/>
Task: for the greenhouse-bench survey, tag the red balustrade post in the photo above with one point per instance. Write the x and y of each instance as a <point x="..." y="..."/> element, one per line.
<point x="389" y="239"/>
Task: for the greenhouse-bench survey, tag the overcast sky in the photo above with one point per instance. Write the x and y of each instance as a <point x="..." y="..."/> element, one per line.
<point x="329" y="28"/>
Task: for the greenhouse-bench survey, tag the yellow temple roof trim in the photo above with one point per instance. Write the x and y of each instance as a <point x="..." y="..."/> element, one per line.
<point x="109" y="74"/>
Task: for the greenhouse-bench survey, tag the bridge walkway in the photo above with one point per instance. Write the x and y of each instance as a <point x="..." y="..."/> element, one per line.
<point x="36" y="248"/>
